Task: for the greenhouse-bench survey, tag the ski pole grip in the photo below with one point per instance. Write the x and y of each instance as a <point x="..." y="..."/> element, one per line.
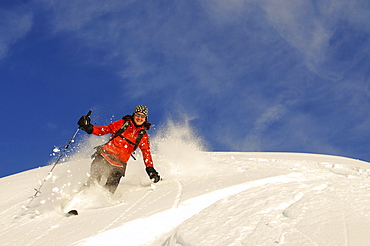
<point x="88" y="113"/>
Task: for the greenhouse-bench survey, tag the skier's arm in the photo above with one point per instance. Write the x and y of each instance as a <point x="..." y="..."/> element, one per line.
<point x="110" y="128"/>
<point x="144" y="146"/>
<point x="85" y="125"/>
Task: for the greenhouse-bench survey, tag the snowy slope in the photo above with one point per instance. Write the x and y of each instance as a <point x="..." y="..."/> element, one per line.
<point x="206" y="198"/>
<point x="240" y="199"/>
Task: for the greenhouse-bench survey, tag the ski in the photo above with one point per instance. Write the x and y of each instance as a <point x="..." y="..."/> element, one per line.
<point x="72" y="212"/>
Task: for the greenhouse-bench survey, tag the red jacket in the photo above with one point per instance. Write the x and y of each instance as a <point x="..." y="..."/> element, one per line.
<point x="119" y="148"/>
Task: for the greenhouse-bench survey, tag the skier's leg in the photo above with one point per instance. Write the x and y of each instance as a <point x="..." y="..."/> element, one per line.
<point x="96" y="170"/>
<point x="114" y="177"/>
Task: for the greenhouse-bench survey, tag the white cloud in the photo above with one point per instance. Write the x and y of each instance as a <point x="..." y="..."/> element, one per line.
<point x="299" y="23"/>
<point x="74" y="15"/>
<point x="321" y="31"/>
<point x="15" y="24"/>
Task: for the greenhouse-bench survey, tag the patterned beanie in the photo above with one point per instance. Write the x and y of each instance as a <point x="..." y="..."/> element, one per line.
<point x="142" y="109"/>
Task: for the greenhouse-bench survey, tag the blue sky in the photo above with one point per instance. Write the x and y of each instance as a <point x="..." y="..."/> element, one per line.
<point x="267" y="75"/>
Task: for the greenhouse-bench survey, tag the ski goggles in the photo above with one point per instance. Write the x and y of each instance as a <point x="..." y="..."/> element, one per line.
<point x="140" y="115"/>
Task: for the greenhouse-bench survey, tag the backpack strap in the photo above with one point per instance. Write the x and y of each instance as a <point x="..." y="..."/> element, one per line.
<point x="139" y="137"/>
<point x="136" y="144"/>
<point x="121" y="130"/>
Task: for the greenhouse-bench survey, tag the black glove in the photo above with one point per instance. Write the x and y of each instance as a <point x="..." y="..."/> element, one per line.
<point x="153" y="175"/>
<point x="84" y="123"/>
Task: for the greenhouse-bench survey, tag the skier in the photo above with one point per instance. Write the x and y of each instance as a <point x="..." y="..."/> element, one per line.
<point x="110" y="159"/>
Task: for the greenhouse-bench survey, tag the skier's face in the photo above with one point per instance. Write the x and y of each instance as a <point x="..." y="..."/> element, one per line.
<point x="139" y="118"/>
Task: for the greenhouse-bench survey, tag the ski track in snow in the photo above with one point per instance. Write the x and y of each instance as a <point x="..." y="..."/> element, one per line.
<point x="178" y="196"/>
<point x="127" y="211"/>
<point x="185" y="210"/>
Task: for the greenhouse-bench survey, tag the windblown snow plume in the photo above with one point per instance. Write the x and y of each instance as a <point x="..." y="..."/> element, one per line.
<point x="178" y="150"/>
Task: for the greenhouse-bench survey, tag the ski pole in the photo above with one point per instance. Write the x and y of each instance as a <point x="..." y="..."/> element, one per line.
<point x="60" y="157"/>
